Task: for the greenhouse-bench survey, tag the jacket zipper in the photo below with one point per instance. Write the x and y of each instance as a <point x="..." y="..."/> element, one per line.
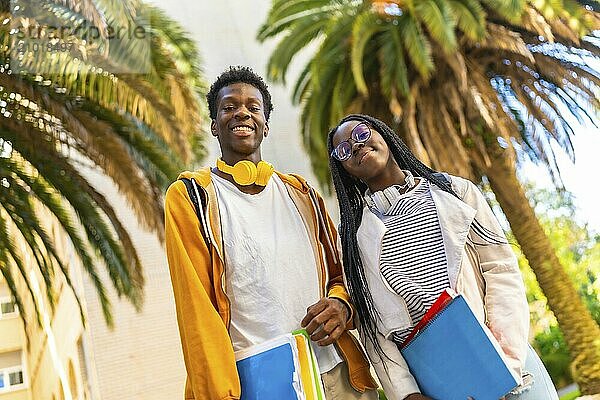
<point x="212" y="241"/>
<point x="319" y="222"/>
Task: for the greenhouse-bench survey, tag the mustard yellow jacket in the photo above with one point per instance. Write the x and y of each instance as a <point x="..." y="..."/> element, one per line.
<point x="198" y="277"/>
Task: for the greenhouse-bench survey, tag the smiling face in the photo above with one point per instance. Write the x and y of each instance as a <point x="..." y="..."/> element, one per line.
<point x="371" y="161"/>
<point x="240" y="124"/>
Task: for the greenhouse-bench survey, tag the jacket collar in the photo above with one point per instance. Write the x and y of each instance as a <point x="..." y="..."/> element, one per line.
<point x="203" y="178"/>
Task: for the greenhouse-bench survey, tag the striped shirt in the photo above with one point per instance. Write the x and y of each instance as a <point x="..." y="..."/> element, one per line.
<point x="413" y="260"/>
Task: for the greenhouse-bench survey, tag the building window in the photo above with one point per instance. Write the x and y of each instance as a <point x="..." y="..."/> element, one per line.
<point x="12" y="376"/>
<point x="11" y="379"/>
<point x="8" y="307"/>
<point x="15" y="378"/>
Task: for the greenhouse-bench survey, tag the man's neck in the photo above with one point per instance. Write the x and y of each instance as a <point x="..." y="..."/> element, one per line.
<point x="232" y="159"/>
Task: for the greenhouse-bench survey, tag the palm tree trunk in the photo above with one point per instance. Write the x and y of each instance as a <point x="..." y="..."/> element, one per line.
<point x="581" y="332"/>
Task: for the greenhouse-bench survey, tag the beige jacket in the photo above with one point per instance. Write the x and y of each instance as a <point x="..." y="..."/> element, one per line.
<point x="487" y="276"/>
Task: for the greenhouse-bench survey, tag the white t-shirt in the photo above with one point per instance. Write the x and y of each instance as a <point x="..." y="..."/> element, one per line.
<point x="271" y="269"/>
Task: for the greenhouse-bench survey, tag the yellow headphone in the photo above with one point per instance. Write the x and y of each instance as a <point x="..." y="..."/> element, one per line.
<point x="246" y="173"/>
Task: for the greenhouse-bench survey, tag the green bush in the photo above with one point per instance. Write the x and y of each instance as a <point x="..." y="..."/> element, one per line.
<point x="571" y="396"/>
<point x="552" y="348"/>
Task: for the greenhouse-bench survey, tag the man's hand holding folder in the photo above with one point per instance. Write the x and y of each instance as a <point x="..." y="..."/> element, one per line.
<point x="326" y="320"/>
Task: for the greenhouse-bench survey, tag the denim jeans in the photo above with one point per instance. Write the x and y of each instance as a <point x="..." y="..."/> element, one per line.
<point x="541" y="388"/>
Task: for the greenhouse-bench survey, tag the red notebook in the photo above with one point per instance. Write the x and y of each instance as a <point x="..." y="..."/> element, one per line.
<point x="438" y="305"/>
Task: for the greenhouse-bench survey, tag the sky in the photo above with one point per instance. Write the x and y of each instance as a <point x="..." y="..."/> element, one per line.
<point x="580" y="178"/>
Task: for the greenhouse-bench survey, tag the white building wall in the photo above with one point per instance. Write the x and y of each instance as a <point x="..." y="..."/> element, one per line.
<point x="140" y="358"/>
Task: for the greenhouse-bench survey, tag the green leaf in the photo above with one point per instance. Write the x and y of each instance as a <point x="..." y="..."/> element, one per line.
<point x="417" y="46"/>
<point x="512" y="10"/>
<point x="300" y="36"/>
<point x="394" y="72"/>
<point x="365" y="26"/>
<point x="470" y="18"/>
<point x="439" y="21"/>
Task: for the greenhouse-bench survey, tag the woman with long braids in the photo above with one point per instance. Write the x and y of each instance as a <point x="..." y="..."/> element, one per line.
<point x="408" y="233"/>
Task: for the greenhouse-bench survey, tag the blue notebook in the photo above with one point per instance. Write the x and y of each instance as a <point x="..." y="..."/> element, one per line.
<point x="454" y="357"/>
<point x="281" y="368"/>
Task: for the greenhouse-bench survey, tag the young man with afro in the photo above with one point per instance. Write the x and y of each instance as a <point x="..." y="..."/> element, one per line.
<point x="259" y="260"/>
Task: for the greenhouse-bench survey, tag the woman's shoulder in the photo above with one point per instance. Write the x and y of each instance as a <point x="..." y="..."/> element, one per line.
<point x="467" y="191"/>
<point x="459" y="184"/>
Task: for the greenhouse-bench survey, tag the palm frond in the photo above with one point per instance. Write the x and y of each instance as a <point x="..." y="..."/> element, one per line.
<point x="365" y="25"/>
<point x="286" y="13"/>
<point x="417" y="46"/>
<point x="50" y="199"/>
<point x="19" y="207"/>
<point x="439" y="21"/>
<point x="90" y="206"/>
<point x="9" y="258"/>
<point x="511" y="10"/>
<point x="393" y="69"/>
<point x="94" y="136"/>
<point x="470" y="18"/>
<point x="302" y="33"/>
<point x="24" y="217"/>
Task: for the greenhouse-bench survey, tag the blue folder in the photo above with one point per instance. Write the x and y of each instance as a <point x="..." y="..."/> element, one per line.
<point x="268" y="375"/>
<point x="453" y="358"/>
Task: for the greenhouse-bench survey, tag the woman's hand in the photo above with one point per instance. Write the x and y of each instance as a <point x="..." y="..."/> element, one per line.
<point x="417" y="396"/>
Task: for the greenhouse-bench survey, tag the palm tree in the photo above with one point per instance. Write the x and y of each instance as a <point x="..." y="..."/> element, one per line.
<point x="66" y="114"/>
<point x="471" y="86"/>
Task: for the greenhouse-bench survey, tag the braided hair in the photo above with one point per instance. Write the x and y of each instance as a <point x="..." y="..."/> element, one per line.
<point x="350" y="192"/>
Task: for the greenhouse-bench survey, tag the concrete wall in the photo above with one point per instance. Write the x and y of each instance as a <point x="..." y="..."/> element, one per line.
<point x="141" y="357"/>
<point x="12" y="334"/>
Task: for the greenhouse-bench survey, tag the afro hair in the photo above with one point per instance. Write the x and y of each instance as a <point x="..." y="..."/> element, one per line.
<point x="238" y="74"/>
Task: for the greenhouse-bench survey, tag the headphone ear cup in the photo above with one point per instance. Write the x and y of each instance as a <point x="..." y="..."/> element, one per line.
<point x="264" y="172"/>
<point x="244" y="172"/>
